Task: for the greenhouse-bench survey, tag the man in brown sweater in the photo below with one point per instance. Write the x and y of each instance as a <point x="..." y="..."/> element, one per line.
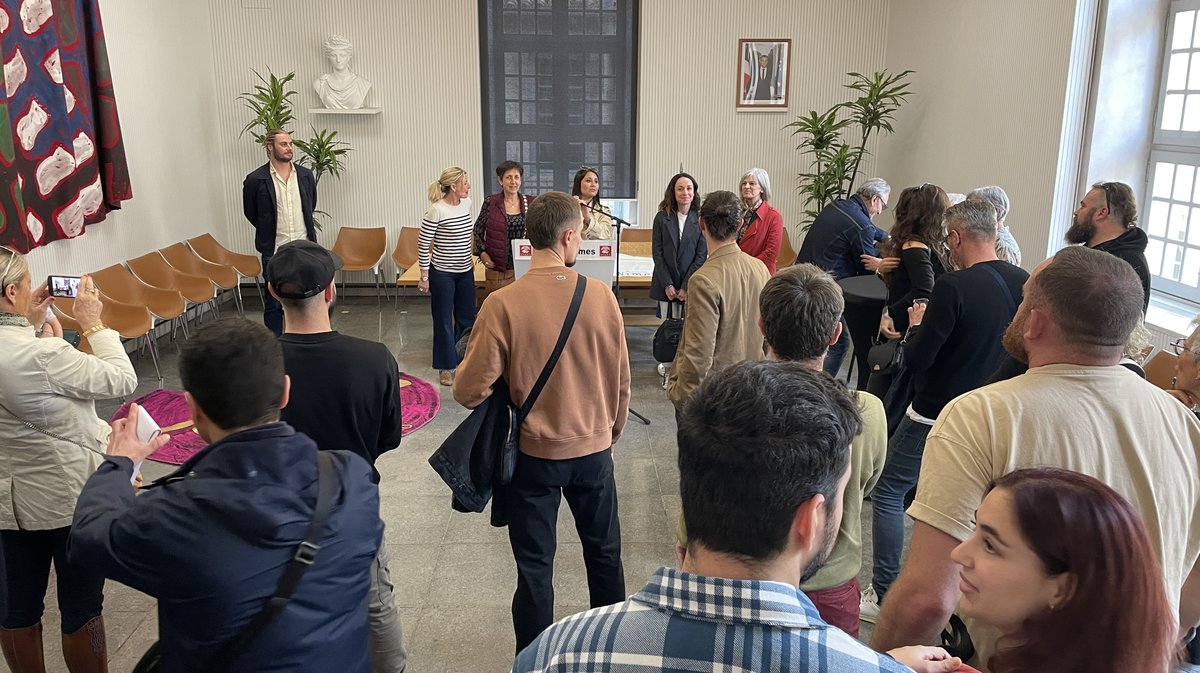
<point x="720" y="326"/>
<point x="566" y="441"/>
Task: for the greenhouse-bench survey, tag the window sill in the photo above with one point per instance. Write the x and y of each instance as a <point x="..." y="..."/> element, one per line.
<point x="1170" y="313"/>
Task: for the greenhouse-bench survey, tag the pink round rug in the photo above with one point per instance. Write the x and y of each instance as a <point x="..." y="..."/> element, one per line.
<point x="419" y="403"/>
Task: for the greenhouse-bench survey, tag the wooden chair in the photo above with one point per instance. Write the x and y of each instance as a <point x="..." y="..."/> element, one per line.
<point x="362" y="249"/>
<point x="1160" y="369"/>
<point x="223" y="276"/>
<point x="787" y="255"/>
<point x="636" y="235"/>
<point x="118" y="283"/>
<point x="247" y="266"/>
<point x="131" y="321"/>
<point x="153" y="269"/>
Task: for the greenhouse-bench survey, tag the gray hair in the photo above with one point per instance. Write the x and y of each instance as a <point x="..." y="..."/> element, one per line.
<point x="995" y="195"/>
<point x="873" y="187"/>
<point x="13" y="268"/>
<point x="337" y="43"/>
<point x="763" y="180"/>
<point x="974" y="219"/>
<point x="1194" y="338"/>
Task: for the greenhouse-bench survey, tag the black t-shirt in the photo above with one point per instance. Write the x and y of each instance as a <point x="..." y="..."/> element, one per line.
<point x="958" y="344"/>
<point x="345" y="393"/>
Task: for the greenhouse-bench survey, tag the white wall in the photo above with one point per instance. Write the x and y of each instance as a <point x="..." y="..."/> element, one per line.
<point x="422" y="59"/>
<point x="686" y="89"/>
<point x="162" y="72"/>
<point x="990" y="89"/>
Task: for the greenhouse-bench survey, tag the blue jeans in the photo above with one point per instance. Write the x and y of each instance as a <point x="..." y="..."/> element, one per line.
<point x="900" y="473"/>
<point x="272" y="309"/>
<point x="837" y="352"/>
<point x="452" y="301"/>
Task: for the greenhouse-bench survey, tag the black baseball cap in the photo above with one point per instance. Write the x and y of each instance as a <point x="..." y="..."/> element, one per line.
<point x="301" y="269"/>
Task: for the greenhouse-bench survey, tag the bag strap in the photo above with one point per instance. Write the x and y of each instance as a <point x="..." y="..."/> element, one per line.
<point x="576" y="301"/>
<point x="1012" y="303"/>
<point x="306" y="553"/>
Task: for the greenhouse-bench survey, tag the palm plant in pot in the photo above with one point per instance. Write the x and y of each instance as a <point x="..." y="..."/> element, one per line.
<point x="835" y="160"/>
<point x="271" y="103"/>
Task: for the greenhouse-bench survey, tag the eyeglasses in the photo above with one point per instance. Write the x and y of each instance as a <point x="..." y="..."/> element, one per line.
<point x="882" y="204"/>
<point x="1179" y="345"/>
<point x="1107" y="187"/>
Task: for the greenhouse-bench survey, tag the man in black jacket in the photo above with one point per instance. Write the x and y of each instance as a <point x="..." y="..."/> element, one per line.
<point x="278" y="198"/>
<point x="1106" y="220"/>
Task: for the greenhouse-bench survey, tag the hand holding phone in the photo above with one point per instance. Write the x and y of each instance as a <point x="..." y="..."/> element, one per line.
<point x="63" y="286"/>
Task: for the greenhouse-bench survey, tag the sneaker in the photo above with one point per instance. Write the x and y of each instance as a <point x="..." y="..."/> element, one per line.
<point x="868" y="605"/>
<point x="446" y="378"/>
<point x="662" y="369"/>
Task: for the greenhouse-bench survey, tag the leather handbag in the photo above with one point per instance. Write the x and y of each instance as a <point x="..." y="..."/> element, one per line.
<point x="666" y="339"/>
<point x="886" y="357"/>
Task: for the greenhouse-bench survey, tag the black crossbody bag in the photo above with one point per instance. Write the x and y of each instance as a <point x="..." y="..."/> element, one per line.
<point x="306" y="553"/>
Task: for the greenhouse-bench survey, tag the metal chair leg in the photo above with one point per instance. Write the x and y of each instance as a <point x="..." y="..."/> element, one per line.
<point x="152" y="346"/>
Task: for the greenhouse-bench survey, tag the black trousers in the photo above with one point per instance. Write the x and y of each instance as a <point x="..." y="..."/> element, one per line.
<point x="533" y="496"/>
<point x="27" y="558"/>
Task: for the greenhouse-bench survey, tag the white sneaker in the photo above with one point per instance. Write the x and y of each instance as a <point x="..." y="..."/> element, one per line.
<point x="868" y="605"/>
<point x="662" y="369"/>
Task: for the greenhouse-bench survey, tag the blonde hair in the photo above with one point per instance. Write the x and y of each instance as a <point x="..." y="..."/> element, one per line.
<point x="13" y="268"/>
<point x="438" y="188"/>
<point x="270" y="136"/>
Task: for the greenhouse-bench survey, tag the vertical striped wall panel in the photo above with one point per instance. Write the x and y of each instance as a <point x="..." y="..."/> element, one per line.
<point x="991" y="81"/>
<point x="687" y="86"/>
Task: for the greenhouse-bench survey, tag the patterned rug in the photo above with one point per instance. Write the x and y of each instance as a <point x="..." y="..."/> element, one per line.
<point x="419" y="403"/>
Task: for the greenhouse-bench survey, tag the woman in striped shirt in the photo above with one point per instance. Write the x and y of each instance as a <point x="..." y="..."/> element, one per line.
<point x="449" y="277"/>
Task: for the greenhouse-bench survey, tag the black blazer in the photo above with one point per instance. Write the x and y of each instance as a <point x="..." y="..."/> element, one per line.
<point x="675" y="259"/>
<point x="258" y="204"/>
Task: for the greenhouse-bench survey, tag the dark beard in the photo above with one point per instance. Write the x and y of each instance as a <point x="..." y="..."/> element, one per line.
<point x="827" y="539"/>
<point x="1080" y="232"/>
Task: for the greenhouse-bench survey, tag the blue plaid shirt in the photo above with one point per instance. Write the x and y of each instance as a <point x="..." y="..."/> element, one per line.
<point x="683" y="623"/>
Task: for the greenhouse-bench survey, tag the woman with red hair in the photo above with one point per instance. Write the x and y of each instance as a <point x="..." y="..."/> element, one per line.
<point x="1061" y="565"/>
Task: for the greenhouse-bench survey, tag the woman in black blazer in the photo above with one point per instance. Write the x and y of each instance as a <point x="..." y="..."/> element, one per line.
<point x="678" y="248"/>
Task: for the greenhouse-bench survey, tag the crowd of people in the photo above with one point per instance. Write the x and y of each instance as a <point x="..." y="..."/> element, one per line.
<point x="1054" y="492"/>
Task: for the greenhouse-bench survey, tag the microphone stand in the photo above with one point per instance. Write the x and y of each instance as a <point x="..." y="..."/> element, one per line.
<point x="617" y="276"/>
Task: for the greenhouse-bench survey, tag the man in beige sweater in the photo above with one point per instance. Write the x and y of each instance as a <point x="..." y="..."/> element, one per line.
<point x="720" y="326"/>
<point x="566" y="441"/>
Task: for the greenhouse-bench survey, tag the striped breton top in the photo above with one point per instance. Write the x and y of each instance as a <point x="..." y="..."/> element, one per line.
<point x="449" y="229"/>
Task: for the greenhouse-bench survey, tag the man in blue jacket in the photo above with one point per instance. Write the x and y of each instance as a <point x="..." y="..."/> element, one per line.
<point x="278" y="198"/>
<point x="837" y="240"/>
<point x="211" y="540"/>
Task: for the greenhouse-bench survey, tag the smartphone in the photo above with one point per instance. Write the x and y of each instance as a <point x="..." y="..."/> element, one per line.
<point x="63" y="286"/>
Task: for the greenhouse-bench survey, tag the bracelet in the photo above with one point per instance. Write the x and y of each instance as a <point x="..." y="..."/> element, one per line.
<point x="424" y="279"/>
<point x="92" y="330"/>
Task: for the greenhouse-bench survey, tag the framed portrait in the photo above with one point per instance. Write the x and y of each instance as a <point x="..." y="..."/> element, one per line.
<point x="763" y="73"/>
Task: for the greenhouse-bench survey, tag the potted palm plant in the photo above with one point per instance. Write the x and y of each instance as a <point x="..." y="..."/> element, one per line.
<point x="834" y="160"/>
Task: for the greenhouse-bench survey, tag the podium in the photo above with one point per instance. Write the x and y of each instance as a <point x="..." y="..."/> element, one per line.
<point x="596" y="259"/>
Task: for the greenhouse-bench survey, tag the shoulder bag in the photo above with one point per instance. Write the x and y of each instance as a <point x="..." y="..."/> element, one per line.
<point x="306" y="553"/>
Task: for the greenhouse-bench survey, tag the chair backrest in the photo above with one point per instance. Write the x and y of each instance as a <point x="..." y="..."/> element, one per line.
<point x="636" y="235"/>
<point x="406" y="252"/>
<point x="209" y="249"/>
<point x="117" y="282"/>
<point x="153" y="270"/>
<point x="787" y="255"/>
<point x="129" y="320"/>
<point x="360" y="247"/>
<point x="181" y="257"/>
<point x="1160" y="369"/>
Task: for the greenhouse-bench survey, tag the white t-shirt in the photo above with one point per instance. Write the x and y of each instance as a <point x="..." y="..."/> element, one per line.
<point x="1106" y="422"/>
<point x="682" y="218"/>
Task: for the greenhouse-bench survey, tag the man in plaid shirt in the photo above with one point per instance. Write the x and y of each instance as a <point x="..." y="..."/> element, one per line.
<point x="763" y="462"/>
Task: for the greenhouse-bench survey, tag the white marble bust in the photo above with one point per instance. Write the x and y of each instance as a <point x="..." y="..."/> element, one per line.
<point x="341" y="89"/>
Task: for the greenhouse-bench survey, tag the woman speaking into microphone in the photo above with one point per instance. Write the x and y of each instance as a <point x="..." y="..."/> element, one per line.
<point x="597" y="218"/>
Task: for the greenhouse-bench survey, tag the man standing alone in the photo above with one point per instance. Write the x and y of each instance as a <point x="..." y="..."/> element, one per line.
<point x="278" y="198"/>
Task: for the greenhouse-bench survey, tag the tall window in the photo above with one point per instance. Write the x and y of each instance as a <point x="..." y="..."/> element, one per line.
<point x="1173" y="219"/>
<point x="559" y="88"/>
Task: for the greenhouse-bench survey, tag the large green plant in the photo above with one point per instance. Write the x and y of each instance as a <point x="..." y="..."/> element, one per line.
<point x="271" y="103"/>
<point x="834" y="160"/>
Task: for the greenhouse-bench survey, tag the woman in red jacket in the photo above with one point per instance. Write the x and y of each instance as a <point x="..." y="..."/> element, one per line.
<point x="762" y="226"/>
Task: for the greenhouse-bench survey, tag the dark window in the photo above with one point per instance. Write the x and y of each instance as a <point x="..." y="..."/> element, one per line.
<point x="558" y="90"/>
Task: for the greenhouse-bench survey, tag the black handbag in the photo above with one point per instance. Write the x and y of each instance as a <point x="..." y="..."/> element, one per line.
<point x="666" y="337"/>
<point x="306" y="553"/>
<point x="886" y="357"/>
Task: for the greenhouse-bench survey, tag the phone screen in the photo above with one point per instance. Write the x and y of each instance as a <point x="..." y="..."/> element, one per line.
<point x="63" y="286"/>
